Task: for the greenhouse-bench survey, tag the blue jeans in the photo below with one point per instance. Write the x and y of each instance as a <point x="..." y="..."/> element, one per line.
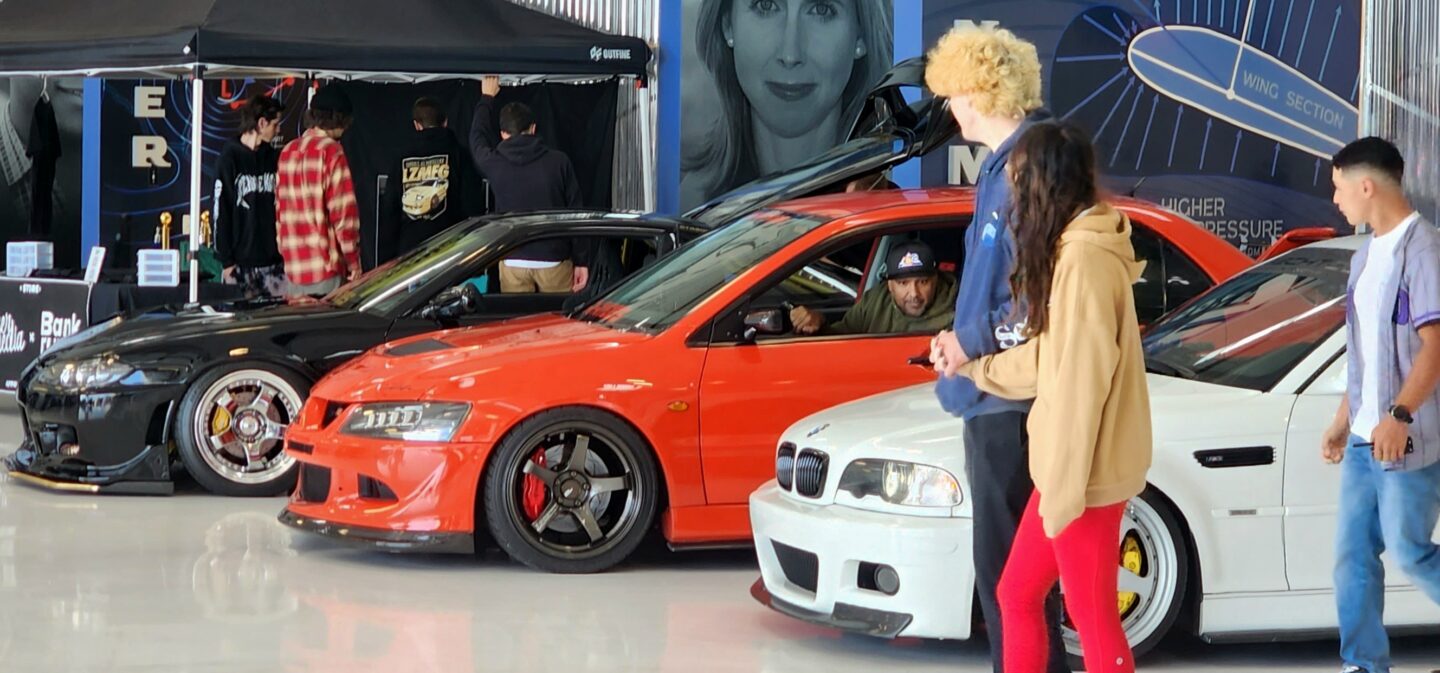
<point x="1381" y="510"/>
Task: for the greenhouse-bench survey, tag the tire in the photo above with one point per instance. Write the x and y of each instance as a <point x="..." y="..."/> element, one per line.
<point x="225" y="407"/>
<point x="557" y="518"/>
<point x="1152" y="543"/>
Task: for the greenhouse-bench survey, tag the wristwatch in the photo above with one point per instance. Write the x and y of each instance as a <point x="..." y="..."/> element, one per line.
<point x="1400" y="413"/>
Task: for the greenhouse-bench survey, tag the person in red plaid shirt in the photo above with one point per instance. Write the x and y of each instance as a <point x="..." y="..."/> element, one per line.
<point x="317" y="217"/>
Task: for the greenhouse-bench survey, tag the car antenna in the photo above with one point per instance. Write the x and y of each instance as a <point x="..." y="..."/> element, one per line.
<point x="1136" y="188"/>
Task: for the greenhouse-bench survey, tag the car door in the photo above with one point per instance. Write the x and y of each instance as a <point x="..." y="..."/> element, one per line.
<point x="1312" y="487"/>
<point x="750" y="392"/>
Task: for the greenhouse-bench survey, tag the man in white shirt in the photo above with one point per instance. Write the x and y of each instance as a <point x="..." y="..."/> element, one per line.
<point x="1386" y="434"/>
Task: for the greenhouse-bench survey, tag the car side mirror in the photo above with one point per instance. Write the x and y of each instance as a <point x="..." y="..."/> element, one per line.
<point x="767" y="322"/>
<point x="452" y="303"/>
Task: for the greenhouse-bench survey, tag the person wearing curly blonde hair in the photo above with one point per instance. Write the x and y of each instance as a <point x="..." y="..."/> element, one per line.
<point x="992" y="81"/>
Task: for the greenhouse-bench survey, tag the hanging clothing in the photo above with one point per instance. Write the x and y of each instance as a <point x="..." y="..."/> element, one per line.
<point x="44" y="151"/>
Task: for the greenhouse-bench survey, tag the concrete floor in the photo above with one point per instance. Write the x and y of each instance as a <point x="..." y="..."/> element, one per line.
<point x="195" y="583"/>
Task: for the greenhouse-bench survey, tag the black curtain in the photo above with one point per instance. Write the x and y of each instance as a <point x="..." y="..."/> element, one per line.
<point x="578" y="120"/>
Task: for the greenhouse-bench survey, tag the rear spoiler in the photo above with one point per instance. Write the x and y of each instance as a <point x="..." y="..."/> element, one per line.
<point x="1295" y="238"/>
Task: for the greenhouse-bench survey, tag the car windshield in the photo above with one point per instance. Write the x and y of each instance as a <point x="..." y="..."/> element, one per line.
<point x="658" y="297"/>
<point x="1250" y="331"/>
<point x="384" y="288"/>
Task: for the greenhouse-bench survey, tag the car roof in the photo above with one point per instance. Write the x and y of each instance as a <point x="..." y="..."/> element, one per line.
<point x="836" y="206"/>
<point x="1218" y="258"/>
<point x="1342" y="243"/>
<point x="539" y="220"/>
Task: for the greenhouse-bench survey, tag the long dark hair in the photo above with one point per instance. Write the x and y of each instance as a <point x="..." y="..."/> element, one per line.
<point x="729" y="151"/>
<point x="1052" y="177"/>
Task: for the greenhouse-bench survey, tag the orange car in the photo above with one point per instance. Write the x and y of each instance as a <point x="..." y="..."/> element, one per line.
<point x="568" y="436"/>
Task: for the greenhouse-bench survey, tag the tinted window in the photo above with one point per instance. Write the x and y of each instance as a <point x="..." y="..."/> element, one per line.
<point x="662" y="294"/>
<point x="1150" y="289"/>
<point x="1251" y="330"/>
<point x="1183" y="279"/>
<point x="389" y="285"/>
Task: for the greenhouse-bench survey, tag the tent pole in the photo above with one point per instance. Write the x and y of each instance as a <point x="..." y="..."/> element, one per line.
<point x="197" y="156"/>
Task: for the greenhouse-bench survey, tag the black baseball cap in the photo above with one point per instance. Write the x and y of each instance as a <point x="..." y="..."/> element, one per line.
<point x="912" y="258"/>
<point x="331" y="98"/>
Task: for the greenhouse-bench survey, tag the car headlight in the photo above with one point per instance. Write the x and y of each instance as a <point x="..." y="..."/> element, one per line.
<point x="901" y="483"/>
<point x="417" y="422"/>
<point x="84" y="374"/>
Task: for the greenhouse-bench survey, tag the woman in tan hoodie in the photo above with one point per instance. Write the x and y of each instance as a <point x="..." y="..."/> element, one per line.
<point x="1090" y="426"/>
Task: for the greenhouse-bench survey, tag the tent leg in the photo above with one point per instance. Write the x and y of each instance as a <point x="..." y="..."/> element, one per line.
<point x="197" y="156"/>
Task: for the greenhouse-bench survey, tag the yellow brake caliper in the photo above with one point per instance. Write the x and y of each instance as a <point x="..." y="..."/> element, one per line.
<point x="220" y="422"/>
<point x="1131" y="559"/>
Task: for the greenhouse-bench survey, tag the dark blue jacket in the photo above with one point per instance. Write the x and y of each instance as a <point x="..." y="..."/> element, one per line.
<point x="983" y="321"/>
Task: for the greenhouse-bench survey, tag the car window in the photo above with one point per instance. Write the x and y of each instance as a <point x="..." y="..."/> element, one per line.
<point x="810" y="293"/>
<point x="607" y="258"/>
<point x="1251" y="330"/>
<point x="658" y="296"/>
<point x="1150" y="289"/>
<point x="1183" y="278"/>
<point x="387" y="287"/>
<point x="831" y="280"/>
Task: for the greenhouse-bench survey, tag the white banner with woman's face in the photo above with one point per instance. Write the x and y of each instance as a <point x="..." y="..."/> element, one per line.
<point x="768" y="84"/>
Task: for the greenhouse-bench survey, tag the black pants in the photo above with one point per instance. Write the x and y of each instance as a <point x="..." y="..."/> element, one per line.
<point x="997" y="465"/>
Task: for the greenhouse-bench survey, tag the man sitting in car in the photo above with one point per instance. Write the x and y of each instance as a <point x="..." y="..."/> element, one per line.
<point x="916" y="297"/>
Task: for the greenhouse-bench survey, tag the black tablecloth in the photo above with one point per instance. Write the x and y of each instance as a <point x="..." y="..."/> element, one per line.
<point x="111" y="299"/>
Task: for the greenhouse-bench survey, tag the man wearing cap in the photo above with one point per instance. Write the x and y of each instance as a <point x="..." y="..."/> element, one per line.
<point x="916" y="298"/>
<point x="317" y="220"/>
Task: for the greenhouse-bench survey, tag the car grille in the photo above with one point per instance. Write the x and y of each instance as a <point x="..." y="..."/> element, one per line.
<point x="314" y="483"/>
<point x="785" y="465"/>
<point x="801" y="568"/>
<point x="810" y="468"/>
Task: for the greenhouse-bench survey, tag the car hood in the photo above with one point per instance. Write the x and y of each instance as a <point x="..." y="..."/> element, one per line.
<point x="909" y="425"/>
<point x="428" y="366"/>
<point x="164" y="328"/>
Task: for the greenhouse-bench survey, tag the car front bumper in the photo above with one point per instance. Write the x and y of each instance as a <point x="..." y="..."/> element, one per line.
<point x="392" y="495"/>
<point x="381" y="539"/>
<point x="114" y="441"/>
<point x="813" y="558"/>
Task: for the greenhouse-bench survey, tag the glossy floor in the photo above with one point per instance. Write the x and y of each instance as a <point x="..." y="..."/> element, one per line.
<point x="195" y="583"/>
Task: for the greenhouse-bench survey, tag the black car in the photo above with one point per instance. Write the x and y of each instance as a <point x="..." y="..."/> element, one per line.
<point x="108" y="409"/>
<point x="216" y="385"/>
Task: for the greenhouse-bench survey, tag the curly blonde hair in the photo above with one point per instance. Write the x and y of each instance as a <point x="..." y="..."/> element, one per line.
<point x="997" y="70"/>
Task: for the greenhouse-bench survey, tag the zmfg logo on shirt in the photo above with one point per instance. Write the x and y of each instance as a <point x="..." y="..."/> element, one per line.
<point x="598" y="54"/>
<point x="425" y="182"/>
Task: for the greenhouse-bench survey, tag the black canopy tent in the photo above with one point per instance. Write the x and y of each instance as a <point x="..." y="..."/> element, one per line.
<point x="356" y="39"/>
<point x="376" y="40"/>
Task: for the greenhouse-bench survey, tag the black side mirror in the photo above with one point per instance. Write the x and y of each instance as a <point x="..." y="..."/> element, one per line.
<point x="452" y="303"/>
<point x="768" y="322"/>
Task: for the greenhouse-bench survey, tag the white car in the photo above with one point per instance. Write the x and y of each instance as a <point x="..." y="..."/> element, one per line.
<point x="867" y="527"/>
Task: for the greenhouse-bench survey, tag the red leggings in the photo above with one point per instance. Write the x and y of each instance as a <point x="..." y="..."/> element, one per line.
<point x="1084" y="558"/>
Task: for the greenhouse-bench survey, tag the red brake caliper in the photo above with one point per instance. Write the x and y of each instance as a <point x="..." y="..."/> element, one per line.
<point x="532" y="498"/>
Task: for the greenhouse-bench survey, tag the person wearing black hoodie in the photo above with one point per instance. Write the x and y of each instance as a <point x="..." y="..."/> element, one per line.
<point x="431" y="174"/>
<point x="245" y="202"/>
<point x="526" y="175"/>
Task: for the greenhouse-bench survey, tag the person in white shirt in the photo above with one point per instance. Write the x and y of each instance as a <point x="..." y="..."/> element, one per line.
<point x="1386" y="434"/>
